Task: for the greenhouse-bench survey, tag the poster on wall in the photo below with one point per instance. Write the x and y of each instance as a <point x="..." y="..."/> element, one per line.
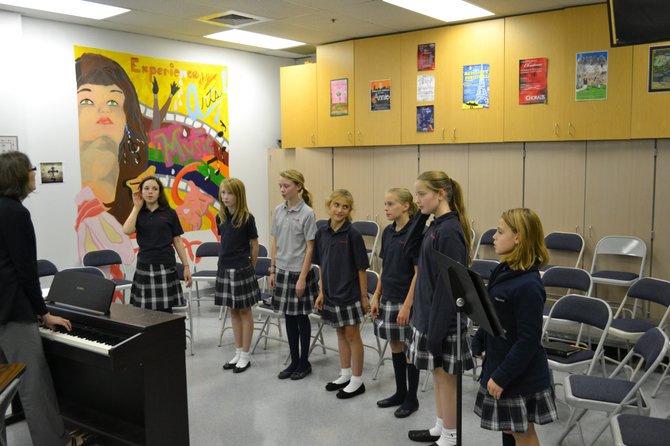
<point x="8" y="143"/>
<point x="425" y="88"/>
<point x="51" y="172"/>
<point x="339" y="97"/>
<point x="425" y="57"/>
<point x="141" y="116"/>
<point x="476" y="86"/>
<point x="591" y="76"/>
<point x="380" y="95"/>
<point x="425" y="119"/>
<point x="659" y="68"/>
<point x="533" y="81"/>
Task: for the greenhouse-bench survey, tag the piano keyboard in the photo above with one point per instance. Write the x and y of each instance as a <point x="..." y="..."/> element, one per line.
<point x="83" y="337"/>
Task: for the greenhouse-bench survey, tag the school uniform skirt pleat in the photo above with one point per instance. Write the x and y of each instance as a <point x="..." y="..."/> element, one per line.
<point x="513" y="413"/>
<point x="342" y="315"/>
<point x="284" y="299"/>
<point x="236" y="288"/>
<point x="156" y="287"/>
<point x="416" y="349"/>
<point x="386" y="324"/>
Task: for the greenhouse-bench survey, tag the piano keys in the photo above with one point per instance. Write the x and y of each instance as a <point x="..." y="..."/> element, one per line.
<point x="122" y="375"/>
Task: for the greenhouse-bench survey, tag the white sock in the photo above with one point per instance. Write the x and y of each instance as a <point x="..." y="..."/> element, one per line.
<point x="437" y="429"/>
<point x="354" y="384"/>
<point x="345" y="375"/>
<point x="238" y="353"/>
<point x="447" y="437"/>
<point x="244" y="359"/>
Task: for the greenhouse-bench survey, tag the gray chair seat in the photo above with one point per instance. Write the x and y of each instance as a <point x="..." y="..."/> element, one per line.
<point x="637" y="430"/>
<point x="599" y="388"/>
<point x="632" y="325"/>
<point x="616" y="275"/>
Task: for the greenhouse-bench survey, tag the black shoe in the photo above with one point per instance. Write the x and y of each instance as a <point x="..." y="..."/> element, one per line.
<point x="391" y="401"/>
<point x="300" y="374"/>
<point x="346" y="395"/>
<point x="331" y="386"/>
<point x="422" y="436"/>
<point x="229" y="365"/>
<point x="406" y="410"/>
<point x="241" y="369"/>
<point x="287" y="372"/>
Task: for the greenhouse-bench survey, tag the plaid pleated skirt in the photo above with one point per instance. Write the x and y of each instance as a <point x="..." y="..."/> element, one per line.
<point x="342" y="315"/>
<point x="515" y="412"/>
<point x="156" y="287"/>
<point x="416" y="349"/>
<point x="236" y="288"/>
<point x="386" y="324"/>
<point x="284" y="299"/>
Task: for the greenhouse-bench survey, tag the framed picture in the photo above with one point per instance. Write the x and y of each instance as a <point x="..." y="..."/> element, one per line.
<point x="659" y="68"/>
<point x="8" y="143"/>
<point x="339" y="97"/>
<point x="51" y="172"/>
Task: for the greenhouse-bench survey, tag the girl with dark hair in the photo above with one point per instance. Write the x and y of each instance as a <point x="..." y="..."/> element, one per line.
<point x="156" y="285"/>
<point x="22" y="305"/>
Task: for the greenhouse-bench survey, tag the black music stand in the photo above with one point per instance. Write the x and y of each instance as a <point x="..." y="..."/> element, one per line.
<point x="471" y="298"/>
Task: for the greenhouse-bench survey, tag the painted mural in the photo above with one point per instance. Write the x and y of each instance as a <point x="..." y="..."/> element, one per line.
<point x="141" y="116"/>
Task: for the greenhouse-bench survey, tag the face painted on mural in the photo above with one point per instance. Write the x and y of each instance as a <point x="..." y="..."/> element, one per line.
<point x="102" y="122"/>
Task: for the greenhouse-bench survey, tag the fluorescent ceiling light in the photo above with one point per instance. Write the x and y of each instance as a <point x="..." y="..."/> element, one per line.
<point x="254" y="39"/>
<point x="77" y="8"/>
<point x="445" y="10"/>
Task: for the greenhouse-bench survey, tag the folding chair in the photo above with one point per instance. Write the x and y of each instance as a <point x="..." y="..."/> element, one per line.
<point x="614" y="395"/>
<point x="265" y="310"/>
<point x="484" y="267"/>
<point x="370" y="231"/>
<point x="568" y="279"/>
<point x="205" y="250"/>
<point x="618" y="246"/>
<point x="45" y="268"/>
<point x="562" y="246"/>
<point x="638" y="430"/>
<point x="186" y="308"/>
<point x="485" y="242"/>
<point x="87" y="270"/>
<point x="588" y="313"/>
<point x="262" y="251"/>
<point x="107" y="257"/>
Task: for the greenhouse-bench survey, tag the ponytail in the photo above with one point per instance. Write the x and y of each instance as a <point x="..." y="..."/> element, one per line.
<point x="306" y="196"/>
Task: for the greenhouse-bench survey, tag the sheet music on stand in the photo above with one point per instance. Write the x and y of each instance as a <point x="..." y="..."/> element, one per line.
<point x="470" y="298"/>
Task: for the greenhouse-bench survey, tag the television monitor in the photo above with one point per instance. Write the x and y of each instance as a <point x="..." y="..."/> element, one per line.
<point x="634" y="22"/>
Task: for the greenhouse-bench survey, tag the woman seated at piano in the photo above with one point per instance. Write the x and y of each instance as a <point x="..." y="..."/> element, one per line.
<point x="22" y="305"/>
<point x="156" y="285"/>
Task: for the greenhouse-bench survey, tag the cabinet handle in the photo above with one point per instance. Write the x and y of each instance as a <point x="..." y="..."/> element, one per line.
<point x="577" y="229"/>
<point x="453" y="135"/>
<point x="571" y="129"/>
<point x="556" y="129"/>
<point x="349" y="137"/>
<point x="313" y="139"/>
<point x="443" y="133"/>
<point x="360" y="136"/>
<point x="590" y="231"/>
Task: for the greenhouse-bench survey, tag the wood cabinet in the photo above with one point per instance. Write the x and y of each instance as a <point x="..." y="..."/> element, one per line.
<point x="650" y="118"/>
<point x="536" y="122"/>
<point x="377" y="59"/>
<point x="353" y="170"/>
<point x="335" y="61"/>
<point x="298" y="106"/>
<point x="393" y="167"/>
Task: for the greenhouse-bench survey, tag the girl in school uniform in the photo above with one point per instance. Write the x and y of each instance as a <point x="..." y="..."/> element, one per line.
<point x="343" y="295"/>
<point x="236" y="284"/>
<point x="433" y="342"/>
<point x="392" y="301"/>
<point x="293" y="231"/>
<point x="156" y="285"/>
<point x="515" y="392"/>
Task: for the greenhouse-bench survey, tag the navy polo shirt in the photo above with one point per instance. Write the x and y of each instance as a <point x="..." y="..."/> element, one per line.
<point x="433" y="310"/>
<point x="234" y="250"/>
<point x="398" y="269"/>
<point x="155" y="233"/>
<point x="340" y="255"/>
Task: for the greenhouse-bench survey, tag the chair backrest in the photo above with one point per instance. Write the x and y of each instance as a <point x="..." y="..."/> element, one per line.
<point x="46" y="268"/>
<point x="647" y="289"/>
<point x="569" y="278"/>
<point x="101" y="257"/>
<point x="473" y="239"/>
<point x="180" y="271"/>
<point x="86" y="269"/>
<point x="486" y="239"/>
<point x="651" y="347"/>
<point x="207" y="249"/>
<point x="262" y="250"/>
<point x="623" y="246"/>
<point x="321" y="223"/>
<point x="373" y="279"/>
<point x="369" y="230"/>
<point x="559" y="243"/>
<point x="262" y="267"/>
<point x="582" y="309"/>
<point x="484" y="267"/>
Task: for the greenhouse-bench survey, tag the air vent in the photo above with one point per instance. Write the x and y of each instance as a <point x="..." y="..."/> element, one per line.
<point x="233" y="19"/>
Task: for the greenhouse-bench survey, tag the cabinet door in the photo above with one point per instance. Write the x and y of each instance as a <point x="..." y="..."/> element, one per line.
<point x="353" y="170"/>
<point x="588" y="31"/>
<point x="317" y="167"/>
<point x="495" y="182"/>
<point x="473" y="44"/>
<point x="335" y="61"/>
<point x="554" y="184"/>
<point x="619" y="191"/>
<point x="536" y="122"/>
<point x="393" y="167"/>
<point x="410" y="79"/>
<point x="298" y="105"/>
<point x="650" y="118"/>
<point x="451" y="159"/>
<point x="660" y="262"/>
<point x="377" y="59"/>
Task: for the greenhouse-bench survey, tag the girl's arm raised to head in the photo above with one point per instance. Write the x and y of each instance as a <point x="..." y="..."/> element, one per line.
<point x="253" y="244"/>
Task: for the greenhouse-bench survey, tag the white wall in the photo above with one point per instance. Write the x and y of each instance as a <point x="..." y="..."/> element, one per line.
<point x="38" y="91"/>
